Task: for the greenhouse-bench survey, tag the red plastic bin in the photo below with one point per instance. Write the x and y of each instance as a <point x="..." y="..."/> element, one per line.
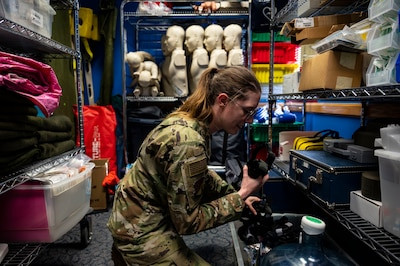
<point x="284" y="53"/>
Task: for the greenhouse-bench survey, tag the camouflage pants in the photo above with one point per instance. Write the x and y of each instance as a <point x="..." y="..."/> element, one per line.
<point x="183" y="256"/>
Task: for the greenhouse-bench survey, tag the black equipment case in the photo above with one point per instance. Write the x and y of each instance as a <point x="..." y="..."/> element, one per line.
<point x="328" y="177"/>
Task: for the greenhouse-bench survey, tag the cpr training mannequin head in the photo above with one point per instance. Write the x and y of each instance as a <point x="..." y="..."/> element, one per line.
<point x="174" y="38"/>
<point x="134" y="59"/>
<point x="213" y="37"/>
<point x="232" y="37"/>
<point x="194" y="37"/>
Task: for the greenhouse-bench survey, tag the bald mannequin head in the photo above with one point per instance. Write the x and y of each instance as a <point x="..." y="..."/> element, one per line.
<point x="174" y="38"/>
<point x="232" y="37"/>
<point x="194" y="37"/>
<point x="213" y="36"/>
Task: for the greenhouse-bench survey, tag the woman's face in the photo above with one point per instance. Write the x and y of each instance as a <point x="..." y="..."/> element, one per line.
<point x="232" y="115"/>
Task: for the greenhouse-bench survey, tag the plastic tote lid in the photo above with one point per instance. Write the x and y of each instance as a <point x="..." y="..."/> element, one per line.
<point x="312" y="225"/>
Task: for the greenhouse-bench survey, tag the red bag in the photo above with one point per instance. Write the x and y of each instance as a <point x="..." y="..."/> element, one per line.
<point x="99" y="128"/>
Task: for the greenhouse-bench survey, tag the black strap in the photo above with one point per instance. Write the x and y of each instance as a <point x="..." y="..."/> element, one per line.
<point x="224" y="148"/>
<point x="325" y="133"/>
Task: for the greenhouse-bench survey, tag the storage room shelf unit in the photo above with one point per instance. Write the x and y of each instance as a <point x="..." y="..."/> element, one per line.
<point x="379" y="241"/>
<point x="143" y="31"/>
<point x="18" y="39"/>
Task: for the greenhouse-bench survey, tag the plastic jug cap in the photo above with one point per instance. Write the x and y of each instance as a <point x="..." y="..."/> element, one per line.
<point x="312" y="225"/>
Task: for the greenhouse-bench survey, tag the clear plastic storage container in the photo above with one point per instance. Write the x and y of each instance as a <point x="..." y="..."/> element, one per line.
<point x="36" y="15"/>
<point x="389" y="169"/>
<point x="382" y="10"/>
<point x="384" y="39"/>
<point x="35" y="212"/>
<point x="382" y="71"/>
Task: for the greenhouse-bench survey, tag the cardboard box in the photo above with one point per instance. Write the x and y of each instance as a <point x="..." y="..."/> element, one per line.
<point x="98" y="196"/>
<point x="311" y="35"/>
<point x="319" y="21"/>
<point x="288" y="29"/>
<point x="368" y="209"/>
<point x="331" y="70"/>
<point x="297" y="24"/>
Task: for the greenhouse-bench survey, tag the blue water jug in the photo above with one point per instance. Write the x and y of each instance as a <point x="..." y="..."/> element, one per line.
<point x="309" y="251"/>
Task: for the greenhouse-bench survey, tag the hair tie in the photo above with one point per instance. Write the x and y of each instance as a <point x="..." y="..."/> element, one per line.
<point x="214" y="71"/>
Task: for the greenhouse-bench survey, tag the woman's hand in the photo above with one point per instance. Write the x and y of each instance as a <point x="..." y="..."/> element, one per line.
<point x="249" y="202"/>
<point x="250" y="185"/>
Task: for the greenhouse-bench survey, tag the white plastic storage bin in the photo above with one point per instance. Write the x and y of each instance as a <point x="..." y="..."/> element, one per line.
<point x="389" y="169"/>
<point x="382" y="10"/>
<point x="307" y="7"/>
<point x="36" y="15"/>
<point x="384" y="39"/>
<point x="382" y="71"/>
<point x="34" y="212"/>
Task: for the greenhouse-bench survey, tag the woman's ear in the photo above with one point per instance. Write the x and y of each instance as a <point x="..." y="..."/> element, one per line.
<point x="222" y="99"/>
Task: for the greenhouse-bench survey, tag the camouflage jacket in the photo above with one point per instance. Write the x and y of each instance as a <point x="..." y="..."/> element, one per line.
<point x="170" y="191"/>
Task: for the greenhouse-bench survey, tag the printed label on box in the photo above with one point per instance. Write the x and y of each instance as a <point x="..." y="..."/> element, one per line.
<point x="36" y="18"/>
<point x="343" y="82"/>
<point x="300" y="23"/>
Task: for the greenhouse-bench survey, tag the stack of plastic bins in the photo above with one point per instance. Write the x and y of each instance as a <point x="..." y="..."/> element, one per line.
<point x="389" y="169"/>
<point x="259" y="133"/>
<point x="383" y="42"/>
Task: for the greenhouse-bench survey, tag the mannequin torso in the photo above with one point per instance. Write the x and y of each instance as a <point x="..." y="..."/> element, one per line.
<point x="174" y="67"/>
<point x="232" y="37"/>
<point x="199" y="56"/>
<point x="213" y="37"/>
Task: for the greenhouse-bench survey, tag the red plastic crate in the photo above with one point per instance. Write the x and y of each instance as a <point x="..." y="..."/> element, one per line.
<point x="284" y="53"/>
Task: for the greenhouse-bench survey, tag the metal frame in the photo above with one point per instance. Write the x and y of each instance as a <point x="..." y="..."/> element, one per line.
<point x="22" y="39"/>
<point x="146" y="21"/>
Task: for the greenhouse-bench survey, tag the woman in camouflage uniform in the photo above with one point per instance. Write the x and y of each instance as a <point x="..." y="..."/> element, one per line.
<point x="169" y="191"/>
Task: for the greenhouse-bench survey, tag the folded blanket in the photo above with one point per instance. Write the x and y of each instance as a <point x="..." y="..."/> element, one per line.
<point x="48" y="150"/>
<point x="16" y="126"/>
<point x="12" y="134"/>
<point x="52" y="136"/>
<point x="14" y="145"/>
<point x="7" y="109"/>
<point x="58" y="123"/>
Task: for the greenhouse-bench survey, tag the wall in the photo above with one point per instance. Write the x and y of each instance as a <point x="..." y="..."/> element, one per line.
<point x="98" y="51"/>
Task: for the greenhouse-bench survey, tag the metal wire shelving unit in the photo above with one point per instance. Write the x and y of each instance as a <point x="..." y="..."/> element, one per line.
<point x="16" y="38"/>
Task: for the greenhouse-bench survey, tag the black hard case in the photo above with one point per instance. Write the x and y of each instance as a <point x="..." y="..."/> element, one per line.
<point x="328" y="177"/>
